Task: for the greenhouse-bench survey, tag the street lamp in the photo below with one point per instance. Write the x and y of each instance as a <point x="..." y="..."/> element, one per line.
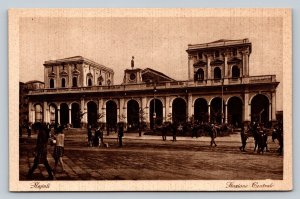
<point x="222" y="111"/>
<point x="154" y="112"/>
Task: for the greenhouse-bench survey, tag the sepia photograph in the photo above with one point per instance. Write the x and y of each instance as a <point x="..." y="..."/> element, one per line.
<point x="150" y="99"/>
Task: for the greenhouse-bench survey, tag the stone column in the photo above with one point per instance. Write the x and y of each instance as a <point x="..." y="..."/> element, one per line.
<point x="247" y="109"/>
<point x="45" y="112"/>
<point x="121" y="104"/>
<point x="209" y="112"/>
<point x="226" y="70"/>
<point x="274" y="106"/>
<point x="69" y="75"/>
<point x="208" y="68"/>
<point x="191" y="67"/>
<point x="58" y="115"/>
<point x="30" y="115"/>
<point x="57" y="81"/>
<point x="70" y="115"/>
<point x="226" y="113"/>
<point x="145" y="110"/>
<point x="83" y="110"/>
<point x="102" y="110"/>
<point x="270" y="111"/>
<point x="125" y="113"/>
<point x="190" y="110"/>
<point x="168" y="109"/>
<point x="246" y="54"/>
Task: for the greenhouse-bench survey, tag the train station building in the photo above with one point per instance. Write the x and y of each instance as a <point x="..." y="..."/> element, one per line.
<point x="219" y="89"/>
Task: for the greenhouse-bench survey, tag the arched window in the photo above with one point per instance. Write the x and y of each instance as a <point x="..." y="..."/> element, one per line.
<point x="89" y="82"/>
<point x="38" y="113"/>
<point x="217" y="73"/>
<point x="63" y="82"/>
<point x="199" y="75"/>
<point x="235" y="72"/>
<point x="51" y="83"/>
<point x="74" y="82"/>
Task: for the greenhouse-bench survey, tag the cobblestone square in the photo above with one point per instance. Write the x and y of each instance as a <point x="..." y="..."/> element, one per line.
<point x="150" y="158"/>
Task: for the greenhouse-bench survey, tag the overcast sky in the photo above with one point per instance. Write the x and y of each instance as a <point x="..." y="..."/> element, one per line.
<point x="158" y="43"/>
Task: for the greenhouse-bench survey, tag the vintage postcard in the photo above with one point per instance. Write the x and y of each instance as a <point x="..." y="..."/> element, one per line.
<point x="150" y="100"/>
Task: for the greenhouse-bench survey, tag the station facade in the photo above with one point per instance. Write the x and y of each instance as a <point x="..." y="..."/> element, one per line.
<point x="219" y="89"/>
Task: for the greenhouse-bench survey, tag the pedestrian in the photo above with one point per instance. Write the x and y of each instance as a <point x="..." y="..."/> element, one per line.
<point x="29" y="130"/>
<point x="164" y="132"/>
<point x="89" y="134"/>
<point x="213" y="134"/>
<point x="97" y="136"/>
<point x="194" y="130"/>
<point x="101" y="133"/>
<point x="120" y="134"/>
<point x="59" y="148"/>
<point x="243" y="138"/>
<point x="174" y="131"/>
<point x="41" y="151"/>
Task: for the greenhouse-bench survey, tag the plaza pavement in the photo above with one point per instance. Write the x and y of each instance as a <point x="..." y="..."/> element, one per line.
<point x="93" y="163"/>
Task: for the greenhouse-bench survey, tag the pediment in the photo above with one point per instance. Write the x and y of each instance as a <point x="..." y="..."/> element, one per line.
<point x="216" y="62"/>
<point x="199" y="63"/>
<point x="150" y="75"/>
<point x="75" y="72"/>
<point x="63" y="73"/>
<point x="52" y="74"/>
<point x="234" y="60"/>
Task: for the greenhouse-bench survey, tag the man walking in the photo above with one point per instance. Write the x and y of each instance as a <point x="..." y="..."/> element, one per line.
<point x="120" y="134"/>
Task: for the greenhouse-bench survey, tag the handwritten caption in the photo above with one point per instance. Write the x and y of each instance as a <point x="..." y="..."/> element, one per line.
<point x="39" y="185"/>
<point x="253" y="185"/>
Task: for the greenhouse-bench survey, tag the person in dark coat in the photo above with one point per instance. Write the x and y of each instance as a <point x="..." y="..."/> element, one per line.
<point x="213" y="135"/>
<point x="243" y="138"/>
<point x="29" y="130"/>
<point x="41" y="151"/>
<point x="97" y="136"/>
<point x="90" y="135"/>
<point x="120" y="134"/>
<point x="164" y="131"/>
<point x="174" y="132"/>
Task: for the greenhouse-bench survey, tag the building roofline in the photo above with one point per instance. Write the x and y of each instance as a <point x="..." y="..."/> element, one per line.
<point x="77" y="59"/>
<point x="218" y="44"/>
<point x="34" y="81"/>
<point x="158" y="73"/>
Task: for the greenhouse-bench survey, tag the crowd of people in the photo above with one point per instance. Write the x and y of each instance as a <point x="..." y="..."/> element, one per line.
<point x="54" y="134"/>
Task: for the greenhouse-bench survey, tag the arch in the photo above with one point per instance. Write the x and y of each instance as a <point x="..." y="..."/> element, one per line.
<point x="156" y="113"/>
<point x="92" y="113"/>
<point x="53" y="113"/>
<point x="133" y="114"/>
<point x="63" y="82"/>
<point x="90" y="82"/>
<point x="74" y="82"/>
<point x="216" y="110"/>
<point x="75" y="115"/>
<point x="111" y="113"/>
<point x="179" y="110"/>
<point x="199" y="75"/>
<point x="235" y="111"/>
<point x="159" y="98"/>
<point x="64" y="114"/>
<point x="51" y="83"/>
<point x="201" y="110"/>
<point x="173" y="98"/>
<point x="260" y="109"/>
<point x="217" y="73"/>
<point x="38" y="108"/>
<point x="235" y="72"/>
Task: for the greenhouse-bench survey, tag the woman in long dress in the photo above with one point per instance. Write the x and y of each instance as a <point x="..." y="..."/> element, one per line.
<point x="59" y="149"/>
